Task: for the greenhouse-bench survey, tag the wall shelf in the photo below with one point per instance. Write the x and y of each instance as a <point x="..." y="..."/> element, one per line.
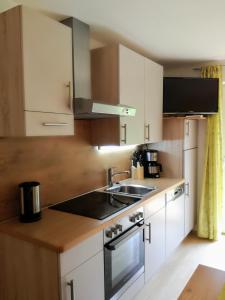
<point x="191" y="117"/>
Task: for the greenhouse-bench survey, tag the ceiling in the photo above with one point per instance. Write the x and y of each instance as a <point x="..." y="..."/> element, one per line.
<point x="168" y="31"/>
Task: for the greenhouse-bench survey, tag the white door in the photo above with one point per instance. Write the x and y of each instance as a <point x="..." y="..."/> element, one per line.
<point x="174" y="224"/>
<point x="86" y="281"/>
<point x="190" y="134"/>
<point x="47" y="57"/>
<point x="131" y="93"/>
<point x="154" y="243"/>
<point x="190" y="161"/>
<point x="153" y="101"/>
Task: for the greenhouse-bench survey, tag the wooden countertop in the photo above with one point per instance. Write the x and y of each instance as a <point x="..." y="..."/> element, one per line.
<point x="60" y="231"/>
<point x="205" y="284"/>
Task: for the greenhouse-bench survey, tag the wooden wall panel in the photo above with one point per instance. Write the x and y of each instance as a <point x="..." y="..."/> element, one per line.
<point x="171" y="148"/>
<point x="65" y="166"/>
<point x="11" y="74"/>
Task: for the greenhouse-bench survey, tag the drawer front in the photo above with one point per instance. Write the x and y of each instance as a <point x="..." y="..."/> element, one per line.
<point x="74" y="257"/>
<point x="48" y="124"/>
<point x="154" y="205"/>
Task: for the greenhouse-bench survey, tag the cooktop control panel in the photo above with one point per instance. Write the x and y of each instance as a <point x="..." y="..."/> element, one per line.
<point x="123" y="224"/>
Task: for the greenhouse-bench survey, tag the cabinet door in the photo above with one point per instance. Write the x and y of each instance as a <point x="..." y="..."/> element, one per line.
<point x="131" y="92"/>
<point x="154" y="243"/>
<point x="86" y="281"/>
<point x="153" y="101"/>
<point x="190" y="134"/>
<point x="47" y="58"/>
<point x="174" y="224"/>
<point x="190" y="160"/>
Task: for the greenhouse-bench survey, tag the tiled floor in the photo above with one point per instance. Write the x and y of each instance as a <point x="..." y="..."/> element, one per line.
<point x="168" y="283"/>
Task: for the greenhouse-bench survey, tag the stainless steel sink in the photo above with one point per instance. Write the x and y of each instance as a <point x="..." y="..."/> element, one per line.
<point x="130" y="189"/>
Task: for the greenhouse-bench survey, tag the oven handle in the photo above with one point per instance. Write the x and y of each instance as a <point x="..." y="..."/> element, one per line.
<point x="126" y="236"/>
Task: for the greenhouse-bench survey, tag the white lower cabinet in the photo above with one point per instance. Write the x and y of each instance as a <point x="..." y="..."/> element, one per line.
<point x="154" y="243"/>
<point x="174" y="223"/>
<point x="86" y="282"/>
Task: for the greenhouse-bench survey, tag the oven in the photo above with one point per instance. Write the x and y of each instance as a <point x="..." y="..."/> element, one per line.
<point x="123" y="259"/>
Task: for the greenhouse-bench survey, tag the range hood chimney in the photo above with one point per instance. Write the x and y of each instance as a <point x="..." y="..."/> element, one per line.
<point x="84" y="106"/>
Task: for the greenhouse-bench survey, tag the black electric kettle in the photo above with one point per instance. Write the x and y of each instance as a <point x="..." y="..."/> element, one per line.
<point x="30" y="209"/>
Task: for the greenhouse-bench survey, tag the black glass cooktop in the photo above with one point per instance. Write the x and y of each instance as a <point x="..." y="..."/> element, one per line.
<point x="96" y="205"/>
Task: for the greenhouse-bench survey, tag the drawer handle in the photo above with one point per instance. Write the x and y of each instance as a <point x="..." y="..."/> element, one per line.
<point x="69" y="85"/>
<point x="149" y="233"/>
<point x="147" y="138"/>
<point x="55" y="124"/>
<point x="70" y="284"/>
<point x="187" y="189"/>
<point x="125" y="134"/>
<point x="187" y="128"/>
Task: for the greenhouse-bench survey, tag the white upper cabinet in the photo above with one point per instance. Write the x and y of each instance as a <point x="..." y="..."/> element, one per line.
<point x="47" y="59"/>
<point x="190" y="134"/>
<point x="131" y="93"/>
<point x="122" y="76"/>
<point x="36" y="73"/>
<point x="153" y="101"/>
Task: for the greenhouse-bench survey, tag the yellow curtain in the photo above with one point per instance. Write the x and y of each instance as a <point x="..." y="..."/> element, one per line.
<point x="211" y="201"/>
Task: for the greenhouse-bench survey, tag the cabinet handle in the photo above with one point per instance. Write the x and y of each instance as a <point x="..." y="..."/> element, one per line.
<point x="70" y="284"/>
<point x="125" y="134"/>
<point x="149" y="233"/>
<point x="55" y="124"/>
<point x="148" y="132"/>
<point x="187" y="128"/>
<point x="187" y="189"/>
<point x="69" y="85"/>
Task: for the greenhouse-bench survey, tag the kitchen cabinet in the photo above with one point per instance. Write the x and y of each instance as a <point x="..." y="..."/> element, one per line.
<point x="83" y="265"/>
<point x="153" y="101"/>
<point x="86" y="281"/>
<point x="122" y="76"/>
<point x="54" y="274"/>
<point x="154" y="243"/>
<point x="174" y="222"/>
<point x="190" y="134"/>
<point x="178" y="155"/>
<point x="190" y="160"/>
<point x="36" y="74"/>
<point x="131" y="93"/>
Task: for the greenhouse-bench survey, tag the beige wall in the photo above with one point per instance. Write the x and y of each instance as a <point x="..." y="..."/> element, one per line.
<point x="6" y="4"/>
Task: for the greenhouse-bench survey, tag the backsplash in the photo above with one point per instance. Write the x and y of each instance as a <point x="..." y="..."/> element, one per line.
<point x="65" y="167"/>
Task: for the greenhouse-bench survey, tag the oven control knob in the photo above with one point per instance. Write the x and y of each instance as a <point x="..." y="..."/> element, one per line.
<point x="109" y="233"/>
<point x="133" y="219"/>
<point x="140" y="214"/>
<point x="119" y="227"/>
<point x="114" y="230"/>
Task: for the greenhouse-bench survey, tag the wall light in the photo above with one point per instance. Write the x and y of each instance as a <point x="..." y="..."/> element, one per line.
<point x="108" y="149"/>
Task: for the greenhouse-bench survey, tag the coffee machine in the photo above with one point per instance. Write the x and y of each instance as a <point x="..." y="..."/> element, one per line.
<point x="152" y="168"/>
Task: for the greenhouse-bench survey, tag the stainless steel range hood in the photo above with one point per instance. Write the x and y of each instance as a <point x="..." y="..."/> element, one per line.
<point x="84" y="106"/>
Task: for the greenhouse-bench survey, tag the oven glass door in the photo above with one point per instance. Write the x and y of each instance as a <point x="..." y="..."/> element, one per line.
<point x="124" y="258"/>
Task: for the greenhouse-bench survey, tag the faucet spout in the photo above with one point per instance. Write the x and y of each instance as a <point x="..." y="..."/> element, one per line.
<point x="111" y="174"/>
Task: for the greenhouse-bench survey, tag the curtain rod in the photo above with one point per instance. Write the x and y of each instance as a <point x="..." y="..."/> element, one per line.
<point x="199" y="69"/>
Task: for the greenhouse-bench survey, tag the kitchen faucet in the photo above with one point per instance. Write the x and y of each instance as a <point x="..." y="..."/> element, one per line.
<point x="111" y="174"/>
